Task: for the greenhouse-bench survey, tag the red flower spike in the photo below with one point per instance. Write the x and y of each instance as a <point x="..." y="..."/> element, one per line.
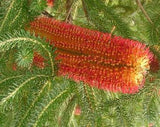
<point x="114" y="64"/>
<point x="38" y="60"/>
<point x="50" y="3"/>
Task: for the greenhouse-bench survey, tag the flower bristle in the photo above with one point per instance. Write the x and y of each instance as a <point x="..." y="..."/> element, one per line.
<point x="114" y="64"/>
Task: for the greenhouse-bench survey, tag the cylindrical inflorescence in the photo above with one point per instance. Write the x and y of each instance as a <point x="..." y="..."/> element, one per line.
<point x="109" y="63"/>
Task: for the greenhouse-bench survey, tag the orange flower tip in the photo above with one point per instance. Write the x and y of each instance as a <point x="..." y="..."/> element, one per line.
<point x="14" y="67"/>
<point x="77" y="111"/>
<point x="150" y="125"/>
<point x="50" y="3"/>
<point x="154" y="64"/>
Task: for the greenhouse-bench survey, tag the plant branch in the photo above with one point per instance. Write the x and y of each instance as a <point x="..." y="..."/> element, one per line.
<point x="144" y="12"/>
<point x="85" y="10"/>
<point x="47" y="14"/>
<point x="10" y="95"/>
<point x="69" y="4"/>
<point x="6" y="16"/>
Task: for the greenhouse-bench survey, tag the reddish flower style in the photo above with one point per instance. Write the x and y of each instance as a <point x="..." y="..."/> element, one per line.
<point x="114" y="64"/>
<point x="38" y="60"/>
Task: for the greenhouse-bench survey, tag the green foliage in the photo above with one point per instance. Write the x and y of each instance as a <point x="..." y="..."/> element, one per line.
<point x="24" y="39"/>
<point x="13" y="15"/>
<point x="36" y="7"/>
<point x="104" y="17"/>
<point x="150" y="30"/>
<point x="31" y="97"/>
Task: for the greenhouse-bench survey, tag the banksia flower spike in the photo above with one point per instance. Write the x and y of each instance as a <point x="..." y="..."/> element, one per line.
<point x="114" y="64"/>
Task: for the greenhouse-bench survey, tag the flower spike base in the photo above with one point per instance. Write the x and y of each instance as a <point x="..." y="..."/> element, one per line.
<point x="114" y="64"/>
